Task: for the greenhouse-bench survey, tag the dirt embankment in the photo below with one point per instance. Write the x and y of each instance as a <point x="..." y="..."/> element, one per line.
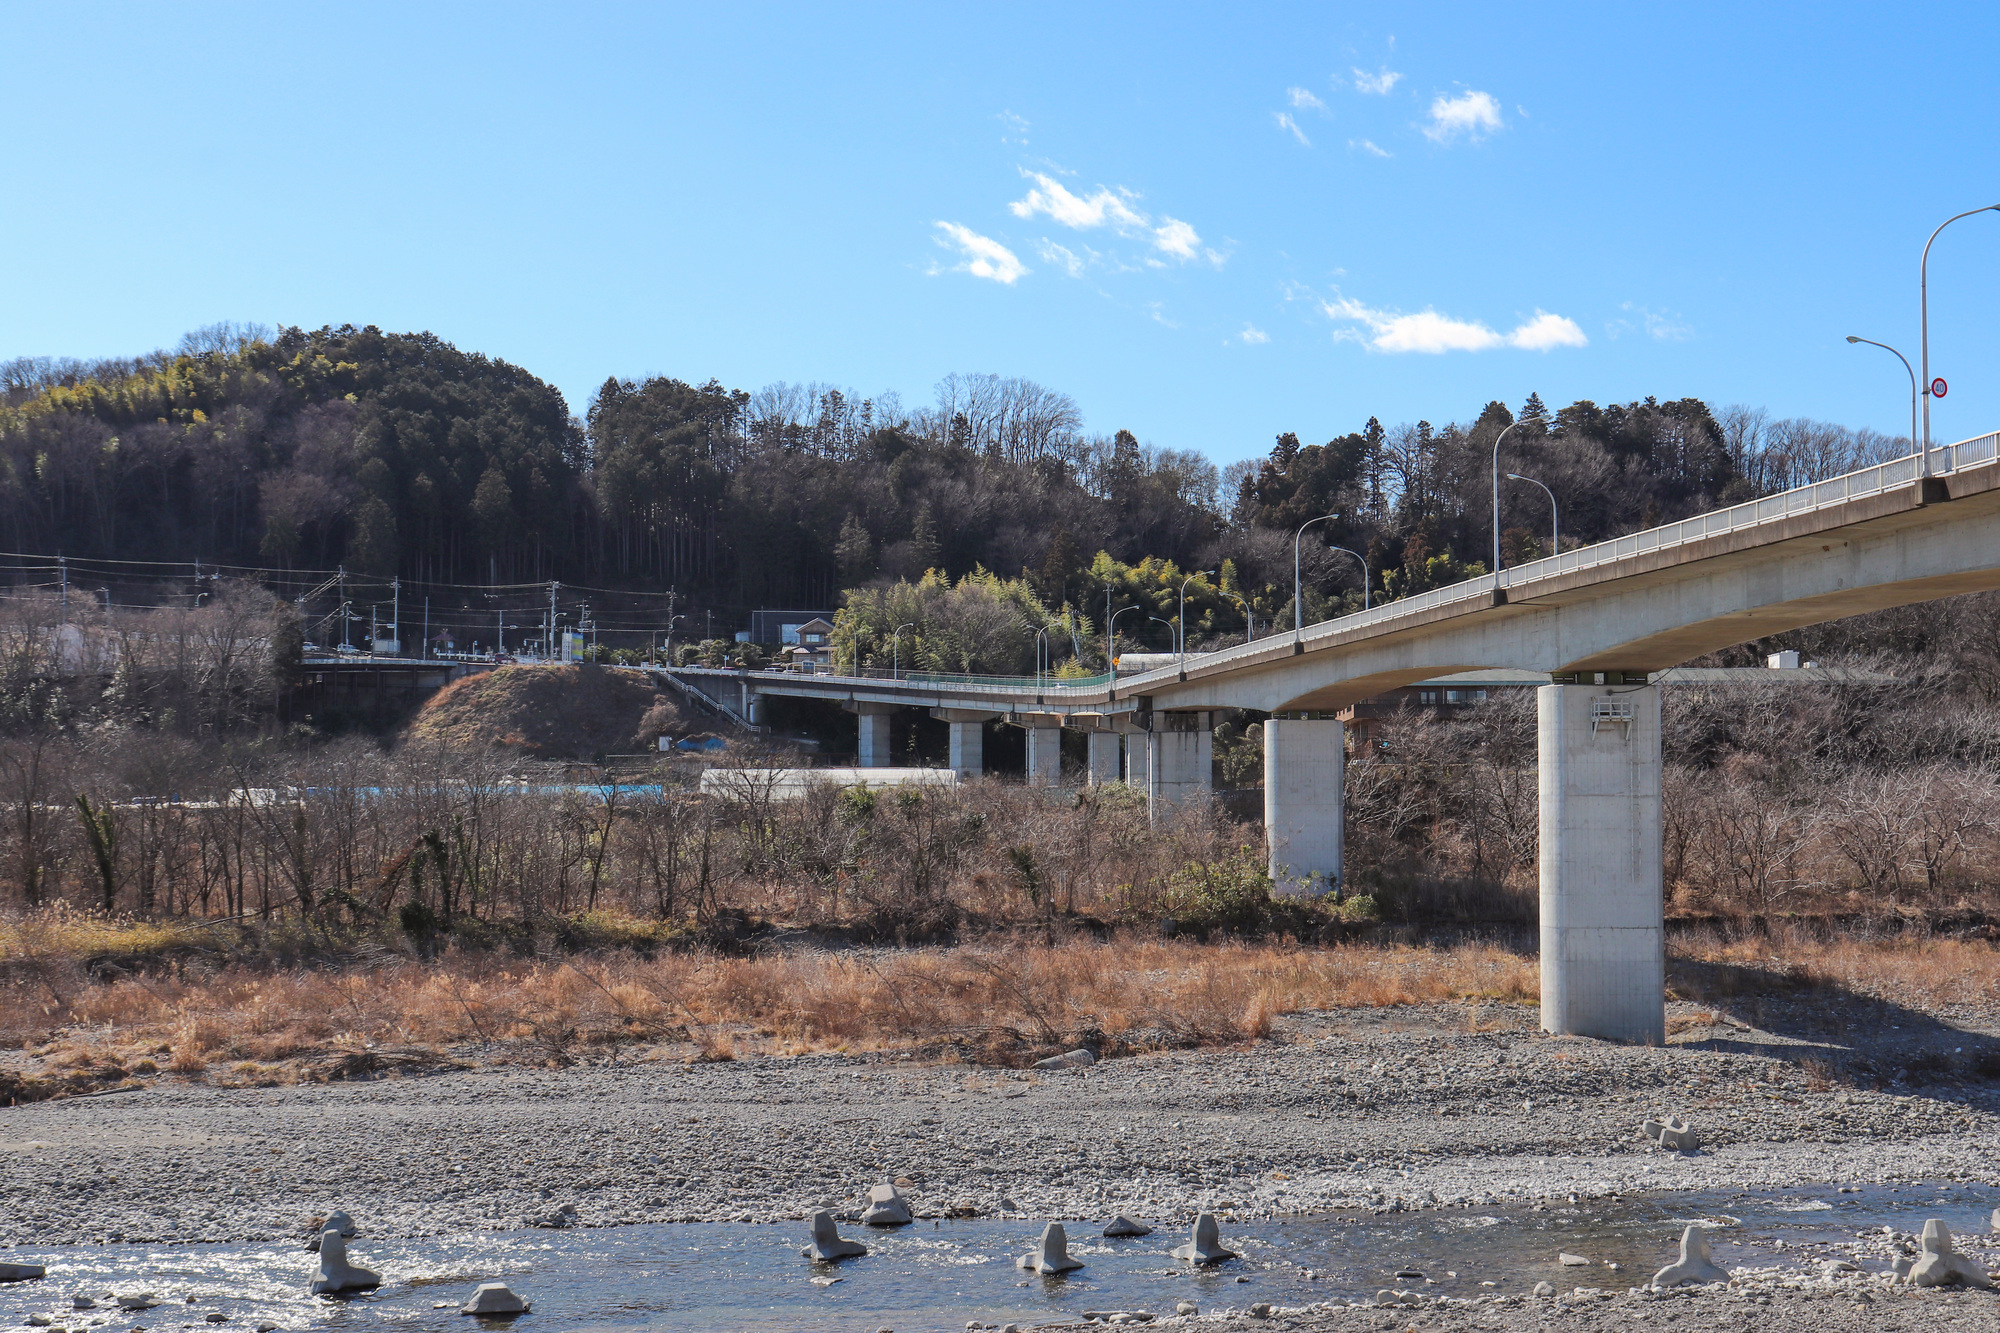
<point x="550" y="712"/>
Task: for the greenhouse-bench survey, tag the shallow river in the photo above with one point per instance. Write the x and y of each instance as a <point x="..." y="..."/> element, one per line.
<point x="938" y="1276"/>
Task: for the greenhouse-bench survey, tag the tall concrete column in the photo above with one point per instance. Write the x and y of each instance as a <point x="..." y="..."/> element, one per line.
<point x="1138" y="751"/>
<point x="1045" y="752"/>
<point x="1180" y="761"/>
<point x="1603" y="934"/>
<point x="968" y="739"/>
<point x="1103" y="757"/>
<point x="1305" y="761"/>
<point x="873" y="749"/>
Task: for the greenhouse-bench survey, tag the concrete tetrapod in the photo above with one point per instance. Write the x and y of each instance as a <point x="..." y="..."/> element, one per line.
<point x="1051" y="1252"/>
<point x="827" y="1245"/>
<point x="335" y="1273"/>
<point x="1941" y="1265"/>
<point x="491" y="1298"/>
<point x="336" y="1221"/>
<point x="1122" y="1225"/>
<point x="886" y="1207"/>
<point x="1206" y="1245"/>
<point x="1694" y="1264"/>
<point x="1673" y="1134"/>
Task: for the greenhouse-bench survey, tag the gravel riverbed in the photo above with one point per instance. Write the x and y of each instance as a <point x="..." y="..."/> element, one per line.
<point x="1384" y="1109"/>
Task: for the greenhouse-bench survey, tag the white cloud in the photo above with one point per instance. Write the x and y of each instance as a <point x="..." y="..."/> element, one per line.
<point x="1546" y="331"/>
<point x="1301" y="99"/>
<point x="1379" y="83"/>
<point x="1050" y="196"/>
<point x="1015" y="127"/>
<point x="981" y="256"/>
<point x="1368" y="146"/>
<point x="1178" y="239"/>
<point x="1662" y="327"/>
<point x="1062" y="256"/>
<point x="1429" y="332"/>
<point x="1253" y="335"/>
<point x="1114" y="210"/>
<point x="1158" y="310"/>
<point x="1285" y="122"/>
<point x="1473" y="114"/>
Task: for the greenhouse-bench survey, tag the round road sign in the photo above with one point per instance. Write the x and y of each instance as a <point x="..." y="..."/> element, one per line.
<point x="1937" y="387"/>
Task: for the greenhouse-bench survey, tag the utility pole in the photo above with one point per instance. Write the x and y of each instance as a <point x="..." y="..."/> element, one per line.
<point x="396" y="612"/>
<point x="62" y="567"/>
<point x="426" y="647"/>
<point x="549" y="643"/>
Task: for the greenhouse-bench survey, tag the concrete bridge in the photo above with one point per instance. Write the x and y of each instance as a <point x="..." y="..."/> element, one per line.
<point x="1602" y="620"/>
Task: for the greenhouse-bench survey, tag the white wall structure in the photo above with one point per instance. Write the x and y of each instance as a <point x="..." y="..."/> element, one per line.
<point x="1603" y="937"/>
<point x="968" y="748"/>
<point x="1180" y="764"/>
<point x="1104" y="757"/>
<point x="1044" y="756"/>
<point x="1138" y="751"/>
<point x="872" y="751"/>
<point x="1305" y="762"/>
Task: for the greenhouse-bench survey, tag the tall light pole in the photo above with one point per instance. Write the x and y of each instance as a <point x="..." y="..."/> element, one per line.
<point x="1041" y="649"/>
<point x="1199" y="573"/>
<point x="1170" y="628"/>
<point x="1298" y="584"/>
<point x="896" y="650"/>
<point x="1111" y="637"/>
<point x="1364" y="572"/>
<point x="1924" y="317"/>
<point x="1496" y="501"/>
<point x="1249" y="618"/>
<point x="1914" y="444"/>
<point x="1555" y="533"/>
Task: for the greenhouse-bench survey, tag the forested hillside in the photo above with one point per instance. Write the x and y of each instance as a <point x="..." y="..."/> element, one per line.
<point x="398" y="454"/>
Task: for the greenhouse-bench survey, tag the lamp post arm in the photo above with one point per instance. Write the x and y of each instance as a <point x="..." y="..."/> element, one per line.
<point x="1298" y="583"/>
<point x="1924" y="322"/>
<point x="1496" y="499"/>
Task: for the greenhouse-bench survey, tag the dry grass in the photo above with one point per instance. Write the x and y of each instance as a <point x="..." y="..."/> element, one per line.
<point x="1002" y="1003"/>
<point x="1926" y="974"/>
<point x="999" y="1003"/>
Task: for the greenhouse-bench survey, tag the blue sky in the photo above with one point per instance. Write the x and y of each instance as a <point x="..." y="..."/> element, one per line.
<point x="1208" y="224"/>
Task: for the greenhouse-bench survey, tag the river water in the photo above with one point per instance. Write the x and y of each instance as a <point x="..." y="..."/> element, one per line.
<point x="938" y="1276"/>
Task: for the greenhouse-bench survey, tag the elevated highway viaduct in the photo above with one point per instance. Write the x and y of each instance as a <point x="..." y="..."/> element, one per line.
<point x="1603" y="620"/>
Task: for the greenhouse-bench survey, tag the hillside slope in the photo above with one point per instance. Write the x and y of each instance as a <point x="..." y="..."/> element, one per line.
<point x="549" y="712"/>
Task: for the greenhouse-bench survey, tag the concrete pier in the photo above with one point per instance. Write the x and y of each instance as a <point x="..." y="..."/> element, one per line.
<point x="1603" y="962"/>
<point x="1104" y="757"/>
<point x="967" y="739"/>
<point x="872" y="749"/>
<point x="1180" y="761"/>
<point x="1305" y="765"/>
<point x="1045" y="752"/>
<point x="1137" y="752"/>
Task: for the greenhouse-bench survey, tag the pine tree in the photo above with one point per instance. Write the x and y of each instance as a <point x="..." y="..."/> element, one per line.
<point x="924" y="539"/>
<point x="855" y="552"/>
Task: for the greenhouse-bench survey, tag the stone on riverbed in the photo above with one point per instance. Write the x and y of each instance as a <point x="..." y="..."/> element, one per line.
<point x="494" y="1298"/>
<point x="1941" y="1265"/>
<point x="1206" y="1245"/>
<point x="1572" y="1261"/>
<point x="1122" y="1225"/>
<point x="1051" y="1252"/>
<point x="827" y="1244"/>
<point x="139" y="1300"/>
<point x="886" y="1207"/>
<point x="1077" y="1059"/>
<point x="21" y="1272"/>
<point x="1694" y="1265"/>
<point x="335" y="1273"/>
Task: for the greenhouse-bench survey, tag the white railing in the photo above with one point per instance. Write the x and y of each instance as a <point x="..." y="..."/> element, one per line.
<point x="1868" y="481"/>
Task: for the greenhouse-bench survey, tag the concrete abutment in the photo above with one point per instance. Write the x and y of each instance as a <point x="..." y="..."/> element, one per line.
<point x="1305" y="765"/>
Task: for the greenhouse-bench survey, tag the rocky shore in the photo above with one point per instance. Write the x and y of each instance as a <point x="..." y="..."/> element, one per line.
<point x="1388" y="1110"/>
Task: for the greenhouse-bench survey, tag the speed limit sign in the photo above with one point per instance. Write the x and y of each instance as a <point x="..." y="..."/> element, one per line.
<point x="1937" y="387"/>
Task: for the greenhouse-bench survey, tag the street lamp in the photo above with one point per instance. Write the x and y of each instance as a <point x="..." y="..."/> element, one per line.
<point x="1199" y="573"/>
<point x="1168" y="623"/>
<point x="1913" y="385"/>
<point x="1924" y="317"/>
<point x="1364" y="572"/>
<point x="896" y="650"/>
<point x="1298" y="585"/>
<point x="1555" y="534"/>
<point x="1111" y="637"/>
<point x="1496" y="502"/>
